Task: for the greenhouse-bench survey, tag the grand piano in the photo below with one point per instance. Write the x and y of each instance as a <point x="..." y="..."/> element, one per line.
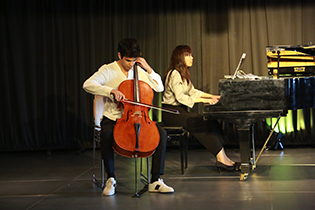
<point x="244" y="102"/>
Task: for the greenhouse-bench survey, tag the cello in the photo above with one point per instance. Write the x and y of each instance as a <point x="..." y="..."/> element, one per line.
<point x="135" y="135"/>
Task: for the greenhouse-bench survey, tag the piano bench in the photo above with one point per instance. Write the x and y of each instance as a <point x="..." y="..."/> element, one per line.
<point x="180" y="134"/>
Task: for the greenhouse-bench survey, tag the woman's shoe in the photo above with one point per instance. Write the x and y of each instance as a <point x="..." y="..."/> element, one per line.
<point x="221" y="167"/>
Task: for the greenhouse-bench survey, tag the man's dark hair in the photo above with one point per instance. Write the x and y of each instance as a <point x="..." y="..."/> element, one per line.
<point x="129" y="48"/>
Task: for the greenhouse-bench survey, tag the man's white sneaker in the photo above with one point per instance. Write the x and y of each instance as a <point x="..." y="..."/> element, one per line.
<point x="110" y="187"/>
<point x="160" y="186"/>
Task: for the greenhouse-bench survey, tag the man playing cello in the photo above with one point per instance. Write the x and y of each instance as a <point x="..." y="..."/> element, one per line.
<point x="105" y="82"/>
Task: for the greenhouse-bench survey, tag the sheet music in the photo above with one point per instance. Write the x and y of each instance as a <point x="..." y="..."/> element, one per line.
<point x="242" y="75"/>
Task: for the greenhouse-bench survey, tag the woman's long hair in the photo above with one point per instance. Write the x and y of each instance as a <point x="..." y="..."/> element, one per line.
<point x="178" y="62"/>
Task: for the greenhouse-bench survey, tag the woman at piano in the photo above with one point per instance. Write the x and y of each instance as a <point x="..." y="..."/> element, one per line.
<point x="180" y="94"/>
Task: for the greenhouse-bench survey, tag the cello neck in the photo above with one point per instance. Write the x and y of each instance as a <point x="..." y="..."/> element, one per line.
<point x="136" y="89"/>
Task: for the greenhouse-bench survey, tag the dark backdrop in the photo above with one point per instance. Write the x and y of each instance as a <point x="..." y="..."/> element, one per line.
<point x="49" y="47"/>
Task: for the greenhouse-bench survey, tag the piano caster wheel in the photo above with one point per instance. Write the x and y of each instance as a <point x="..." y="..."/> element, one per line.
<point x="243" y="176"/>
<point x="253" y="167"/>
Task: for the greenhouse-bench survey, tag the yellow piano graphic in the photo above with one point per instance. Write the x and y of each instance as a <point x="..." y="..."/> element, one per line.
<point x="291" y="60"/>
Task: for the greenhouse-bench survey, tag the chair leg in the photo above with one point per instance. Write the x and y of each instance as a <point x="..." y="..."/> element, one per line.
<point x="103" y="174"/>
<point x="148" y="171"/>
<point x="145" y="179"/>
<point x="186" y="149"/>
<point x="101" y="184"/>
<point x="182" y="152"/>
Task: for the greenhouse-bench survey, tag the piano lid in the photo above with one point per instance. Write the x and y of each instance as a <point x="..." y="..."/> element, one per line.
<point x="240" y="95"/>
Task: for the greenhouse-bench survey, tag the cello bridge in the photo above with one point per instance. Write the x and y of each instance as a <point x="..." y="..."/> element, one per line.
<point x="137" y="114"/>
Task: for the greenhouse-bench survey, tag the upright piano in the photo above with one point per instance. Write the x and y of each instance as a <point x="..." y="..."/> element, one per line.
<point x="244" y="102"/>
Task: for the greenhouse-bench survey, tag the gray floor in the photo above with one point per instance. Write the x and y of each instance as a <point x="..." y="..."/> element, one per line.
<point x="34" y="180"/>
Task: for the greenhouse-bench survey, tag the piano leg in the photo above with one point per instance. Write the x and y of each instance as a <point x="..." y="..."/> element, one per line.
<point x="253" y="154"/>
<point x="245" y="151"/>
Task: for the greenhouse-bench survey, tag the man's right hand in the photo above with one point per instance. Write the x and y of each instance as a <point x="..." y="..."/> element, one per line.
<point x="118" y="95"/>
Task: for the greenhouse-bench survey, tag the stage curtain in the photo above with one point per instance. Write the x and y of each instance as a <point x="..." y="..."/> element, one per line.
<point x="50" y="47"/>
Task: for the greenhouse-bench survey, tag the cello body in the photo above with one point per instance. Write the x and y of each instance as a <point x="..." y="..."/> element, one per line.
<point x="135" y="135"/>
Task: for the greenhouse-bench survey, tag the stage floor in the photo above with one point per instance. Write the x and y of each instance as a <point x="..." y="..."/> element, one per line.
<point x="283" y="179"/>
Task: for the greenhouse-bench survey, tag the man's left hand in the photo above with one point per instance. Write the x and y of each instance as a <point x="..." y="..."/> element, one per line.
<point x="143" y="63"/>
